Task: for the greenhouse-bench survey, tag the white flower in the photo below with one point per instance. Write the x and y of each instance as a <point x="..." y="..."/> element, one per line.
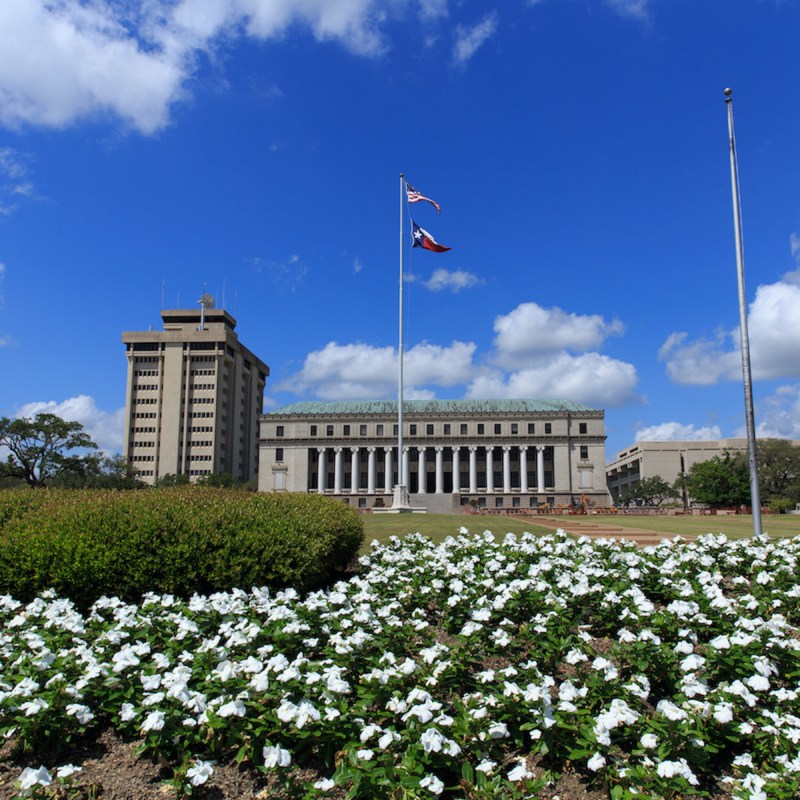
<point x="67" y="771"/>
<point x="596" y="762"/>
<point x="649" y="741"/>
<point x="669" y="769"/>
<point x="127" y="712"/>
<point x="671" y="711"/>
<point x="486" y="766"/>
<point x="520" y="772"/>
<point x="153" y="722"/>
<point x="365" y="755"/>
<point x="200" y="772"/>
<point x="30" y="777"/>
<point x="325" y="784"/>
<point x="80" y="712"/>
<point x="432" y="784"/>
<point x="276" y="757"/>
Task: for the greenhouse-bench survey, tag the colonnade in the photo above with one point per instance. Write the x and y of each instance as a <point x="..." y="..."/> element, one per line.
<point x="373" y="453"/>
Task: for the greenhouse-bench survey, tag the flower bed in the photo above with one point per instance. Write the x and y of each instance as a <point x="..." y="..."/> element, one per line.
<point x="474" y="668"/>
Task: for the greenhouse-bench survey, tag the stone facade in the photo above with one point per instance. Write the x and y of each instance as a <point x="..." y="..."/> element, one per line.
<point x="193" y="397"/>
<point x="500" y="454"/>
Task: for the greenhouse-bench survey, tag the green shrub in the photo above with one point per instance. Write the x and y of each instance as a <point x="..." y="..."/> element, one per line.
<point x="85" y="544"/>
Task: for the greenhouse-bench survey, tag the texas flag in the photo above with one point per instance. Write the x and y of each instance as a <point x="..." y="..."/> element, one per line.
<point x="423" y="239"/>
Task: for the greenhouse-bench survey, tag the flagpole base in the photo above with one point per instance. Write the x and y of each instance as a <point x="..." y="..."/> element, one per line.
<point x="400" y="503"/>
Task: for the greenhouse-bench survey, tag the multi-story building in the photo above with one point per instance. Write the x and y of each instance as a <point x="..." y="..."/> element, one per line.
<point x="194" y="394"/>
<point x="667" y="460"/>
<point x="498" y="453"/>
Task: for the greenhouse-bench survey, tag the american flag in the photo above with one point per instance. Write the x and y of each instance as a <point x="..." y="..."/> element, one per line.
<point x="415" y="197"/>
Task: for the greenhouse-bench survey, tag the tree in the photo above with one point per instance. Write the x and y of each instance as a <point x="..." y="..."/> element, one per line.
<point x="100" y="472"/>
<point x="40" y="448"/>
<point x="779" y="470"/>
<point x="650" y="491"/>
<point x="721" y="481"/>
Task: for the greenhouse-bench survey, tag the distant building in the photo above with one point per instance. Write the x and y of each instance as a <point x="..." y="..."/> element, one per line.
<point x="500" y="453"/>
<point x="668" y="460"/>
<point x="193" y="397"/>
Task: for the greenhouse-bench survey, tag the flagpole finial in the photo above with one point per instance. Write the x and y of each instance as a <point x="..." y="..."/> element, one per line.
<point x="728" y="93"/>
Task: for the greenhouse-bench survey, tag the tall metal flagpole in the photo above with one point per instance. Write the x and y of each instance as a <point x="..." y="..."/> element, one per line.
<point x="755" y="494"/>
<point x="400" y="465"/>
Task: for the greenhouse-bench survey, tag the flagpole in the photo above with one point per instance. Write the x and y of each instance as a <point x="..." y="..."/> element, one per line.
<point x="400" y="465"/>
<point x="755" y="494"/>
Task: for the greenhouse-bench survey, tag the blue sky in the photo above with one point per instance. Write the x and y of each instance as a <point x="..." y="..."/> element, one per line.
<point x="252" y="149"/>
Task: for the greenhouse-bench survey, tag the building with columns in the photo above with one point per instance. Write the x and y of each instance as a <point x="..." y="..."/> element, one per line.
<point x="194" y="394"/>
<point x="497" y="453"/>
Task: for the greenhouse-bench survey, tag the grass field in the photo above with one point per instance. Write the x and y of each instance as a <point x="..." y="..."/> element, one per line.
<point x="439" y="526"/>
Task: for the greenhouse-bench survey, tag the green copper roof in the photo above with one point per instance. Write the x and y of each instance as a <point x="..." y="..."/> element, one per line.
<point x="431" y="407"/>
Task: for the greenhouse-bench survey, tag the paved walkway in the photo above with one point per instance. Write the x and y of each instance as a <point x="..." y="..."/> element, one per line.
<point x="583" y="526"/>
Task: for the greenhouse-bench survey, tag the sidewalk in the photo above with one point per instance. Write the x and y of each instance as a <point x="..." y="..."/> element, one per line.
<point x="583" y="527"/>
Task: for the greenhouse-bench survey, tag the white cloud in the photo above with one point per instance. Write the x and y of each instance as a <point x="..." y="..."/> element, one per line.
<point x="432" y="9"/>
<point x="677" y="432"/>
<point x="14" y="180"/>
<point x="66" y="60"/>
<point x="531" y="332"/>
<point x="455" y="281"/>
<point x="590" y="378"/>
<point x="780" y="414"/>
<point x="470" y="39"/>
<point x="774" y="330"/>
<point x="357" y="265"/>
<point x="361" y="371"/>
<point x="105" y="427"/>
<point x="638" y="9"/>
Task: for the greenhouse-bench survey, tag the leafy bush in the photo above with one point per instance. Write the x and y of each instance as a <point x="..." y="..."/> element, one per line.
<point x="86" y="544"/>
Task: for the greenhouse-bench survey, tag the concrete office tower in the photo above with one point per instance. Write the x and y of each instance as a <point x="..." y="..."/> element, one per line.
<point x="193" y="398"/>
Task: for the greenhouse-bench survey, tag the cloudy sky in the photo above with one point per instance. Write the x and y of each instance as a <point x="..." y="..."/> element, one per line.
<point x="151" y="151"/>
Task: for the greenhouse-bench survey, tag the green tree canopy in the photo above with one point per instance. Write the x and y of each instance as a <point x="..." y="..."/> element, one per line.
<point x="779" y="470"/>
<point x="720" y="482"/>
<point x="41" y="448"/>
<point x="650" y="491"/>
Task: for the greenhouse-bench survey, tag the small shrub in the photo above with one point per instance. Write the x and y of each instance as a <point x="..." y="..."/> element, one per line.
<point x="85" y="544"/>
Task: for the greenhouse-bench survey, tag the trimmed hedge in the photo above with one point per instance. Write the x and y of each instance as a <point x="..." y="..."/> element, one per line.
<point x="88" y="543"/>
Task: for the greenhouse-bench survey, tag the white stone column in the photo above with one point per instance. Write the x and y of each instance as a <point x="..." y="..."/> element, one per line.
<point x="321" y="470"/>
<point x="523" y="469"/>
<point x="456" y="470"/>
<point x="422" y="473"/>
<point x="489" y="470"/>
<point x="371" y="470"/>
<point x="540" y="468"/>
<point x="439" y="470"/>
<point x="506" y="468"/>
<point x="337" y="471"/>
<point x="404" y="461"/>
<point x="473" y="469"/>
<point x="354" y="470"/>
<point x="387" y="467"/>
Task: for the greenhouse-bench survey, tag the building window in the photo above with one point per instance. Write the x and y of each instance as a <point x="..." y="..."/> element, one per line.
<point x="394" y="429"/>
<point x="329" y="430"/>
<point x="463" y="428"/>
<point x="531" y="428"/>
<point x="379" y="429"/>
<point x="481" y="428"/>
<point x="279" y="454"/>
<point x="346" y="430"/>
<point x="447" y="429"/>
<point x="514" y="428"/>
<point x="429" y="430"/>
<point x="279" y="430"/>
<point x="582" y="427"/>
<point x="313" y="430"/>
<point x="412" y="429"/>
<point x="498" y="429"/>
<point x="584" y="452"/>
<point x="362" y="430"/>
<point x="548" y="427"/>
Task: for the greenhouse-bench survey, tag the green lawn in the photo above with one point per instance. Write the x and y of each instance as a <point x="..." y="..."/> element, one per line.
<point x="440" y="526"/>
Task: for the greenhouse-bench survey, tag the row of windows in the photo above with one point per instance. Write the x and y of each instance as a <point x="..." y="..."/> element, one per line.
<point x="201" y="443"/>
<point x="202" y="414"/>
<point x="147" y="401"/>
<point x="429" y="429"/>
<point x="143" y="444"/>
<point x="145" y="360"/>
<point x="146" y="387"/>
<point x="363" y="455"/>
<point x="201" y="400"/>
<point x="145" y="415"/>
<point x="144" y="429"/>
<point x="199" y="471"/>
<point x="202" y="429"/>
<point x="200" y="458"/>
<point x="196" y="372"/>
<point x="142" y="458"/>
<point x="145" y="373"/>
<point x="202" y="386"/>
